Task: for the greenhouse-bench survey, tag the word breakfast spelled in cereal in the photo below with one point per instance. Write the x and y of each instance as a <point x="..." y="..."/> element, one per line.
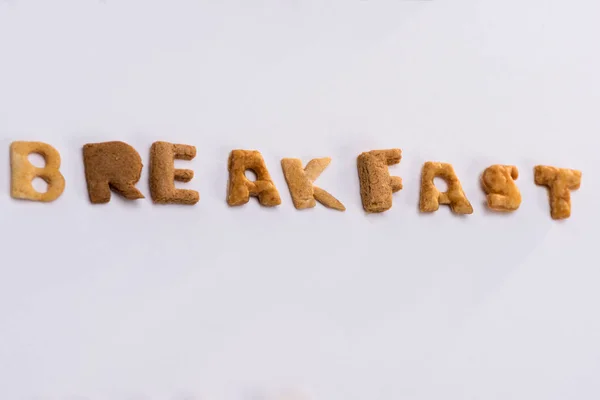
<point x="117" y="167"/>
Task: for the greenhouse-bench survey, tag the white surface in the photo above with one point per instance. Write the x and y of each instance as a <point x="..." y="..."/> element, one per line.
<point x="136" y="301"/>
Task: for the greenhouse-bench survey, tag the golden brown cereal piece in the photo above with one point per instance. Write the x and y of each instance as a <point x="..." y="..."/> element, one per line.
<point x="498" y="182"/>
<point x="431" y="197"/>
<point x="376" y="184"/>
<point x="241" y="188"/>
<point x="163" y="173"/>
<point x="560" y="182"/>
<point x="111" y="165"/>
<point x="300" y="182"/>
<point x="23" y="172"/>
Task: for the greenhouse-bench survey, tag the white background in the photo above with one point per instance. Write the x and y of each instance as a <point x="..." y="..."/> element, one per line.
<point x="132" y="301"/>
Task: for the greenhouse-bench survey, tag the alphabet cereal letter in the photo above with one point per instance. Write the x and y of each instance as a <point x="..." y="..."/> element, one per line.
<point x="376" y="184"/>
<point x="499" y="186"/>
<point x="241" y="188"/>
<point x="300" y="182"/>
<point x="560" y="182"/>
<point x="23" y="172"/>
<point x="111" y="165"/>
<point x="163" y="173"/>
<point x="431" y="197"/>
